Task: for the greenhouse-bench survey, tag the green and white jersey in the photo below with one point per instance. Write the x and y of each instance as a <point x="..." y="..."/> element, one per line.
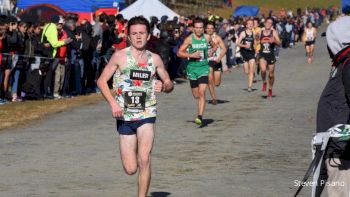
<point x="198" y="45"/>
<point x="134" y="86"/>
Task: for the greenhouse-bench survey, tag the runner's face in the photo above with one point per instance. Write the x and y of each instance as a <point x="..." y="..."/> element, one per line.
<point x="250" y="25"/>
<point x="138" y="36"/>
<point x="256" y="24"/>
<point x="210" y="29"/>
<point x="198" y="29"/>
<point x="268" y="24"/>
<point x="309" y="25"/>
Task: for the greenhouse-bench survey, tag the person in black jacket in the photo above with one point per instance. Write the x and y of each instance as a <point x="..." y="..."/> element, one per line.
<point x="9" y="39"/>
<point x="34" y="48"/>
<point x="14" y="41"/>
<point x="334" y="108"/>
<point x="3" y="29"/>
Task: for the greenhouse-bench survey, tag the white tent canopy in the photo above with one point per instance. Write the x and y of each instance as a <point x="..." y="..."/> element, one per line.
<point x="148" y="8"/>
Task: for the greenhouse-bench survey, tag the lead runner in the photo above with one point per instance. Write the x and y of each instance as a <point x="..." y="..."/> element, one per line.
<point x="134" y="69"/>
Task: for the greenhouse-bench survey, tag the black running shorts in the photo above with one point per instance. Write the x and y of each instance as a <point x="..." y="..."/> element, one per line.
<point x="247" y="55"/>
<point x="268" y="57"/>
<point x="309" y="43"/>
<point x="200" y="80"/>
<point x="215" y="66"/>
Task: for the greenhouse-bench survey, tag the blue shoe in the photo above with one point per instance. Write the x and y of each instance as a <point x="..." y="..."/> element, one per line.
<point x="2" y="101"/>
<point x="97" y="90"/>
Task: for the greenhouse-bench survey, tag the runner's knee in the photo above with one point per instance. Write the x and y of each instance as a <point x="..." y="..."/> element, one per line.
<point x="201" y="94"/>
<point x="130" y="169"/>
<point x="144" y="161"/>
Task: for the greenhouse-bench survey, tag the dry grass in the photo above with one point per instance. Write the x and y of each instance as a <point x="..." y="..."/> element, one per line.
<point x="19" y="114"/>
<point x="276" y="5"/>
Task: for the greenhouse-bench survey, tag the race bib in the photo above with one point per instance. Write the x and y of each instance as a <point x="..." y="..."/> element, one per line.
<point x="202" y="55"/>
<point x="266" y="48"/>
<point x="134" y="101"/>
<point x="140" y="75"/>
<point x="250" y="45"/>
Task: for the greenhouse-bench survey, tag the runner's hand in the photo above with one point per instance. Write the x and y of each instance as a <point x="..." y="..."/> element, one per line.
<point x="158" y="86"/>
<point x="196" y="55"/>
<point x="210" y="53"/>
<point x="116" y="110"/>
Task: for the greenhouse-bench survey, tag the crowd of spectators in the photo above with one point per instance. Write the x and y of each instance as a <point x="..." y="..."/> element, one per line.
<point x="64" y="58"/>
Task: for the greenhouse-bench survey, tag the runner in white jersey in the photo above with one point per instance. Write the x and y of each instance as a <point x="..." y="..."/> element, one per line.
<point x="215" y="61"/>
<point x="309" y="39"/>
<point x="134" y="69"/>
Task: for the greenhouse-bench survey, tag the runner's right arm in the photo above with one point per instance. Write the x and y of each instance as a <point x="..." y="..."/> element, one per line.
<point x="303" y="37"/>
<point x="182" y="53"/>
<point x="107" y="73"/>
<point x="239" y="40"/>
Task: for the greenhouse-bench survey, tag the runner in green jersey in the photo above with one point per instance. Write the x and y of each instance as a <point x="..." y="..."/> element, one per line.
<point x="195" y="48"/>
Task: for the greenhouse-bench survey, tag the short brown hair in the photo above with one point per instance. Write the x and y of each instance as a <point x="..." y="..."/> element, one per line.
<point x="139" y="20"/>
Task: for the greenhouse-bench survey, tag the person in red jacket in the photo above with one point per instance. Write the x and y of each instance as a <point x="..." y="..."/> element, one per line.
<point x="121" y="32"/>
<point x="61" y="55"/>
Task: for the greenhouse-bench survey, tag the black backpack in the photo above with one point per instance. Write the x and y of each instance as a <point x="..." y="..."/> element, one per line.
<point x="32" y="86"/>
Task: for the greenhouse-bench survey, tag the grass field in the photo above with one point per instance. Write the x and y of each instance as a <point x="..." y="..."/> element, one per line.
<point x="276" y="5"/>
<point x="22" y="113"/>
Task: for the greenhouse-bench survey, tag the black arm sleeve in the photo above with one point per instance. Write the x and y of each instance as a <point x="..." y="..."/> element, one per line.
<point x="346" y="79"/>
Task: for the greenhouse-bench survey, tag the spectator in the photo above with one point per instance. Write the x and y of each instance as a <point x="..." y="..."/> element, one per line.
<point x="51" y="43"/>
<point x="62" y="61"/>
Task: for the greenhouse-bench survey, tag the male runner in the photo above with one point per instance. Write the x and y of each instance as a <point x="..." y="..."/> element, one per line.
<point x="134" y="69"/>
<point x="256" y="30"/>
<point x="268" y="39"/>
<point x="246" y="41"/>
<point x="215" y="69"/>
<point x="197" y="68"/>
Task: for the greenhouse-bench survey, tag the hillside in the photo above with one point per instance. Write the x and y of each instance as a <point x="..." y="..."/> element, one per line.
<point x="276" y="5"/>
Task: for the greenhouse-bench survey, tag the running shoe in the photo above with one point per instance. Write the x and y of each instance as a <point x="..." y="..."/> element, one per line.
<point x="2" y="101"/>
<point x="198" y="121"/>
<point x="249" y="89"/>
<point x="213" y="102"/>
<point x="270" y="93"/>
<point x="264" y="87"/>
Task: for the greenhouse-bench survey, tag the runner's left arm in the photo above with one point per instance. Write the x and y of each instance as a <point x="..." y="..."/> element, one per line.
<point x="276" y="38"/>
<point x="315" y="33"/>
<point x="223" y="49"/>
<point x="163" y="74"/>
<point x="212" y="44"/>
